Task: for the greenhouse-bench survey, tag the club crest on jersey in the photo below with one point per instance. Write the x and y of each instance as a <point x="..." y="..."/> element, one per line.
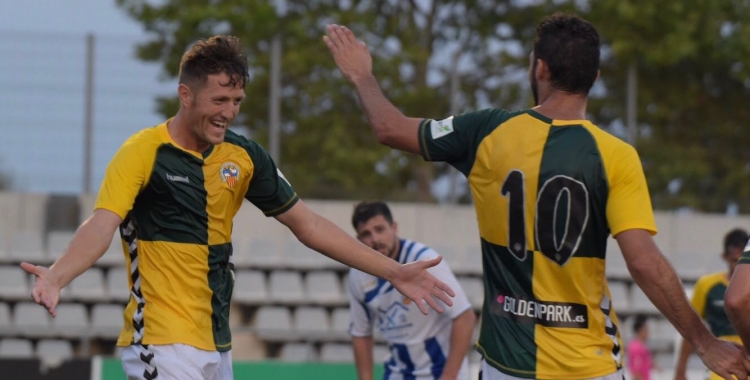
<point x="229" y="174"/>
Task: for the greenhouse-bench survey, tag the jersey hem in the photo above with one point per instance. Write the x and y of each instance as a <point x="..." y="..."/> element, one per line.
<point x="422" y="137"/>
<point x="651" y="229"/>
<point x="166" y="342"/>
<point x="284" y="208"/>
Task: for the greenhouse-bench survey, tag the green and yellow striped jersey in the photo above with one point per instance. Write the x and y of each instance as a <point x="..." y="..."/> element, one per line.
<point x="708" y="301"/>
<point x="177" y="208"/>
<point x="547" y="194"/>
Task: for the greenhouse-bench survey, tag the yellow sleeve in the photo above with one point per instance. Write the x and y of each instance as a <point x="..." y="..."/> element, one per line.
<point x="699" y="296"/>
<point x="629" y="203"/>
<point x="125" y="177"/>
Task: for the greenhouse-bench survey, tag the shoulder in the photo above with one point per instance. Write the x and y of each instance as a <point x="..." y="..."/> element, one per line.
<point x="251" y="146"/>
<point x="709" y="280"/>
<point x="142" y="144"/>
<point x="414" y="251"/>
<point x="608" y="143"/>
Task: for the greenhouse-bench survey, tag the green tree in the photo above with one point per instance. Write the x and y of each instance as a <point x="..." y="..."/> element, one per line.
<point x="327" y="149"/>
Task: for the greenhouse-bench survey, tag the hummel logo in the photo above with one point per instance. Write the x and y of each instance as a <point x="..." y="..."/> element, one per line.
<point x="177" y="178"/>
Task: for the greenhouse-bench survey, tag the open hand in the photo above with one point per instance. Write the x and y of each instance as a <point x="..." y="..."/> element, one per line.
<point x="413" y="281"/>
<point x="46" y="291"/>
<point x="351" y="56"/>
<point x="725" y="360"/>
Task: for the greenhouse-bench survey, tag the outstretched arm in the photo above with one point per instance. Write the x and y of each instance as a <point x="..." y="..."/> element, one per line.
<point x="655" y="275"/>
<point x="390" y="125"/>
<point x="412" y="279"/>
<point x="89" y="243"/>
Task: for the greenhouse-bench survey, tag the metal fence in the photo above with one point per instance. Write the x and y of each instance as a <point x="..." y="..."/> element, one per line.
<point x="43" y="81"/>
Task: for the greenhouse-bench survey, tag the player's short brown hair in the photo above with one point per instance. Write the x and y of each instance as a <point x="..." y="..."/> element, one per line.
<point x="218" y="54"/>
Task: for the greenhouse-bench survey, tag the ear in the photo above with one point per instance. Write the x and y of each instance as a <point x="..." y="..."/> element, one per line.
<point x="186" y="95"/>
<point x="395" y="227"/>
<point x="598" y="74"/>
<point x="542" y="71"/>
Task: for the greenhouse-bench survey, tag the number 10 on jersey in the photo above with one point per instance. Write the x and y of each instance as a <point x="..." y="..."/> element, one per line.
<point x="562" y="211"/>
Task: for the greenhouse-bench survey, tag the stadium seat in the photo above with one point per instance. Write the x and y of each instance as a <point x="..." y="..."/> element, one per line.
<point x="29" y="246"/>
<point x="663" y="335"/>
<point x="89" y="286"/>
<point x="312" y="323"/>
<point x="57" y="243"/>
<point x="114" y="256"/>
<point x="616" y="268"/>
<point x="54" y="352"/>
<point x="620" y="298"/>
<point x="274" y="323"/>
<point x="472" y="260"/>
<point x="323" y="288"/>
<point x="340" y="321"/>
<point x="71" y="322"/>
<point x="6" y="324"/>
<point x="286" y="287"/>
<point x="107" y="320"/>
<point x="453" y="256"/>
<point x="32" y="320"/>
<point x="474" y="290"/>
<point x="298" y="353"/>
<point x="250" y="287"/>
<point x="16" y="349"/>
<point x="336" y="353"/>
<point x="118" y="286"/>
<point x="260" y="253"/>
<point x="5" y="256"/>
<point x="380" y="352"/>
<point x="641" y="303"/>
<point x="13" y="283"/>
<point x="298" y="256"/>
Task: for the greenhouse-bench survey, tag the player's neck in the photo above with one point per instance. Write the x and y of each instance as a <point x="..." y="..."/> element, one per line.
<point x="179" y="130"/>
<point x="559" y="105"/>
<point x="396" y="249"/>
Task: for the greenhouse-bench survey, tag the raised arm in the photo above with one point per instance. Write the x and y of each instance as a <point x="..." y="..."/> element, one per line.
<point x="390" y="125"/>
<point x="89" y="243"/>
<point x="658" y="279"/>
<point x="412" y="279"/>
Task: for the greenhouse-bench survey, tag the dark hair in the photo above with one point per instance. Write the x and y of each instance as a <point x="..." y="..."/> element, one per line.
<point x="570" y="47"/>
<point x="218" y="54"/>
<point x="367" y="210"/>
<point x="640" y="321"/>
<point x="736" y="238"/>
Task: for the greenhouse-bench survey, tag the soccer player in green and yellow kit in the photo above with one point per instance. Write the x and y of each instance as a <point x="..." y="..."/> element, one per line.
<point x="172" y="191"/>
<point x="549" y="187"/>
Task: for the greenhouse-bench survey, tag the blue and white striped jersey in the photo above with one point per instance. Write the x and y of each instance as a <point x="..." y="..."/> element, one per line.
<point x="418" y="343"/>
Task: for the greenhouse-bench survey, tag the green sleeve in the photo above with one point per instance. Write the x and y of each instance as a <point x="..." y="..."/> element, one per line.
<point x="745" y="258"/>
<point x="455" y="140"/>
<point x="269" y="190"/>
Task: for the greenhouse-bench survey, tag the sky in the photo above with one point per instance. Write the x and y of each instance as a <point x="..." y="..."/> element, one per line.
<point x="42" y="107"/>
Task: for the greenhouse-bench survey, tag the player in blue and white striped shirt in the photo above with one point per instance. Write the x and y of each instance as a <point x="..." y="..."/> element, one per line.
<point x="421" y="346"/>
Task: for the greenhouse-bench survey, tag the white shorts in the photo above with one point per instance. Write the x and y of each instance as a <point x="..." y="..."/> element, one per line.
<point x="175" y="362"/>
<point x="491" y="373"/>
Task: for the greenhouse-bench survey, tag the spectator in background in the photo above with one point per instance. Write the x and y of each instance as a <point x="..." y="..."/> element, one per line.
<point x="638" y="357"/>
<point x="708" y="299"/>
<point x="422" y="347"/>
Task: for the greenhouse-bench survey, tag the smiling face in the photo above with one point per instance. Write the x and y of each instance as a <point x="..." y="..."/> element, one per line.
<point x="210" y="108"/>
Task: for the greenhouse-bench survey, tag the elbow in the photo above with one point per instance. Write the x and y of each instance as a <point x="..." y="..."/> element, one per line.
<point x="384" y="136"/>
<point x="736" y="301"/>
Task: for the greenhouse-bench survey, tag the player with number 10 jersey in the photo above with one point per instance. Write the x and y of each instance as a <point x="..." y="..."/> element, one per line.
<point x="548" y="194"/>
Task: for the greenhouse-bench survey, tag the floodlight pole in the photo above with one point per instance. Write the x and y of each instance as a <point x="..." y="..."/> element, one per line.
<point x="89" y="114"/>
